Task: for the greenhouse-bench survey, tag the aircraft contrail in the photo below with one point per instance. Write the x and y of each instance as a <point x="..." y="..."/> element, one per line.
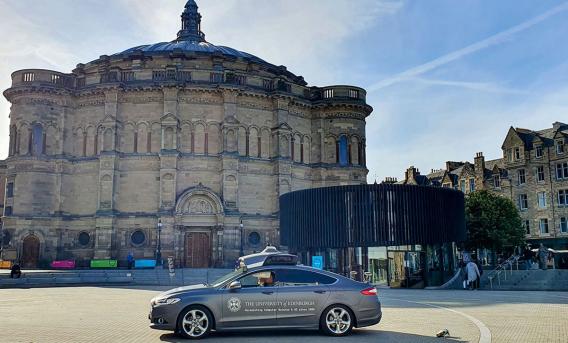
<point x="468" y="50"/>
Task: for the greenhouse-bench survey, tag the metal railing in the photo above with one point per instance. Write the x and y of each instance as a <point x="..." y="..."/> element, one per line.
<point x="502" y="269"/>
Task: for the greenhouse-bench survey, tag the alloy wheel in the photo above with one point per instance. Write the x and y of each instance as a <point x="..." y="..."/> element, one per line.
<point x="338" y="320"/>
<point x="195" y="323"/>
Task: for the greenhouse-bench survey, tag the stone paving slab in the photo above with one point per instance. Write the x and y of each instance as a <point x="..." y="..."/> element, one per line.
<point x="119" y="314"/>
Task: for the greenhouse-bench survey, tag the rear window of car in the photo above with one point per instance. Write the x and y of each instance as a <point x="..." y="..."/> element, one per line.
<point x="297" y="277"/>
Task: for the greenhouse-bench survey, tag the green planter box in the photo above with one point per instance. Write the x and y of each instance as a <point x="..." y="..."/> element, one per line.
<point x="104" y="263"/>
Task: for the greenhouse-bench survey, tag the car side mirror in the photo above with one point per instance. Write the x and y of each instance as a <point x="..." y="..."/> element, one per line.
<point x="235" y="285"/>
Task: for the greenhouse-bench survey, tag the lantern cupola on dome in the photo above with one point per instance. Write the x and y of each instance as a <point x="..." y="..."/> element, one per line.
<point x="191" y="24"/>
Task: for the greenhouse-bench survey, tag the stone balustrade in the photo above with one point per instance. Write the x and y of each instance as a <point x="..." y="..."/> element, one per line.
<point x="42" y="77"/>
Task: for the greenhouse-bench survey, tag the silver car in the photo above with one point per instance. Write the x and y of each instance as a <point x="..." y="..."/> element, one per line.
<point x="271" y="296"/>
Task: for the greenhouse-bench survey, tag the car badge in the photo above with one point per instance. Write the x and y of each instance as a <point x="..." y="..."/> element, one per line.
<point x="234" y="304"/>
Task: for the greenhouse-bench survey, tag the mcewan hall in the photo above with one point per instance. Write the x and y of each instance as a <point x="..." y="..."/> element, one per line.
<point x="184" y="142"/>
<point x="203" y="153"/>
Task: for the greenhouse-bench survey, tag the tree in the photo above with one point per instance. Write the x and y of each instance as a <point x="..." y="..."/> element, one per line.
<point x="492" y="222"/>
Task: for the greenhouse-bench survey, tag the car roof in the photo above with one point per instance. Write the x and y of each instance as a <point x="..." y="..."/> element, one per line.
<point x="270" y="255"/>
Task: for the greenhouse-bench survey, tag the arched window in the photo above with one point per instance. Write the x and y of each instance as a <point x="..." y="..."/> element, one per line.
<point x="135" y="142"/>
<point x="37" y="140"/>
<point x="292" y="144"/>
<point x="206" y="143"/>
<point x="12" y="140"/>
<point x="343" y="151"/>
<point x="108" y="140"/>
<point x="84" y="144"/>
<point x="96" y="143"/>
<point x="169" y="138"/>
<point x="16" y="142"/>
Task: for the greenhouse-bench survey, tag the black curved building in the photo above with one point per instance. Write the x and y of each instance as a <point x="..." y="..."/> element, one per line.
<point x="403" y="235"/>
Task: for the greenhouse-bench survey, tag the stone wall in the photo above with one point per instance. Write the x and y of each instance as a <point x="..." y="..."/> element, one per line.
<point x="96" y="167"/>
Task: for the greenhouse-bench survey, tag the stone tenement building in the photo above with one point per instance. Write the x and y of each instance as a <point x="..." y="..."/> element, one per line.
<point x="533" y="173"/>
<point x="199" y="137"/>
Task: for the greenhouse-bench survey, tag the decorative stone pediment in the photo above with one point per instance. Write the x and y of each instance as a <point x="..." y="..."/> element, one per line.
<point x="231" y="120"/>
<point x="109" y="119"/>
<point x="283" y="127"/>
<point x="198" y="205"/>
<point x="199" y="200"/>
<point x="169" y="119"/>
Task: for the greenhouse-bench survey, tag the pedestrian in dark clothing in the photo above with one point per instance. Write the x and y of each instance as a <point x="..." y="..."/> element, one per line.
<point x="478" y="280"/>
<point x="16" y="271"/>
<point x="130" y="259"/>
<point x="528" y="256"/>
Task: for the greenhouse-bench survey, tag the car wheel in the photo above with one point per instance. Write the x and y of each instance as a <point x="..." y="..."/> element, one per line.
<point x="337" y="320"/>
<point x="195" y="322"/>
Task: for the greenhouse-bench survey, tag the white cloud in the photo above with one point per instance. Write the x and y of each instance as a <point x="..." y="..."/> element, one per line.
<point x="477" y="86"/>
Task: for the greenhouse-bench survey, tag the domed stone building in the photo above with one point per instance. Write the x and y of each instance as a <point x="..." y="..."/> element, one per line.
<point x="183" y="146"/>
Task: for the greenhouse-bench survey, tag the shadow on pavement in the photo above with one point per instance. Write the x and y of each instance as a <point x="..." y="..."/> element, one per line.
<point x="314" y="336"/>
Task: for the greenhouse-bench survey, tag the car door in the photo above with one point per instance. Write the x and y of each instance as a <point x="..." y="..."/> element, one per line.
<point x="302" y="296"/>
<point x="253" y="305"/>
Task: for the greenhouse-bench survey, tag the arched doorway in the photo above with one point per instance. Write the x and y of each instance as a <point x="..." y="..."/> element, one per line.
<point x="198" y="219"/>
<point x="30" y="252"/>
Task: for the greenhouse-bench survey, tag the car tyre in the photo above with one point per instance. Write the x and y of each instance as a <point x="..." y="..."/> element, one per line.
<point x="337" y="321"/>
<point x="195" y="322"/>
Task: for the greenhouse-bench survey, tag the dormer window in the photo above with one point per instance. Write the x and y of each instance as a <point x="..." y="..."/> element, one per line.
<point x="538" y="152"/>
<point x="517" y="154"/>
<point x="509" y="155"/>
<point x="560" y="146"/>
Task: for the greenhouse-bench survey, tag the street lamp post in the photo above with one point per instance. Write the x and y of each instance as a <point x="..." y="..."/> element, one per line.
<point x="159" y="247"/>
<point x="242" y="227"/>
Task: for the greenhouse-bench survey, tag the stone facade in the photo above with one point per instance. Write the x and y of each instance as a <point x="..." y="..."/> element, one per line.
<point x="2" y="196"/>
<point x="200" y="138"/>
<point x="533" y="173"/>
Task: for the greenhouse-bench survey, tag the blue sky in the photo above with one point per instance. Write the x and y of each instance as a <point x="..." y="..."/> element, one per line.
<point x="446" y="78"/>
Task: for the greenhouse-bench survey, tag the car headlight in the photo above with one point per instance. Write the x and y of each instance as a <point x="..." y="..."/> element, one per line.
<point x="166" y="301"/>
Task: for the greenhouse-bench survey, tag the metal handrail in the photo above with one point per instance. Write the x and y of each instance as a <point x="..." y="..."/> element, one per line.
<point x="502" y="269"/>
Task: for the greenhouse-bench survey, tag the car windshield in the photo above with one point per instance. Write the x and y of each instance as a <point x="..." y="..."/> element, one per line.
<point x="220" y="281"/>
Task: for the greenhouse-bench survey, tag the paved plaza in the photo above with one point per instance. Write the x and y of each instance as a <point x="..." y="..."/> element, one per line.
<point x="98" y="314"/>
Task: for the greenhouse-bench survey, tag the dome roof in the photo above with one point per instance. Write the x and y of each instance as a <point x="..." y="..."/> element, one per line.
<point x="190" y="39"/>
<point x="190" y="47"/>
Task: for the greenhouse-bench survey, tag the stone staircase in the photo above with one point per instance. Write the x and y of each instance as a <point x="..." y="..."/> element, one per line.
<point x="153" y="277"/>
<point x="527" y="280"/>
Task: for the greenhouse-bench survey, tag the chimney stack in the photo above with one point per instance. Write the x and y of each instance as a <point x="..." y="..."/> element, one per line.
<point x="479" y="163"/>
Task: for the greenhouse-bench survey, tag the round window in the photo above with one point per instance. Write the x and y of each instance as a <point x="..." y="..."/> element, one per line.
<point x="138" y="237"/>
<point x="254" y="238"/>
<point x="84" y="238"/>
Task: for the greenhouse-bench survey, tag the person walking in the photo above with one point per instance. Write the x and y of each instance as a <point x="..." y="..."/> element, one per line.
<point x="480" y="269"/>
<point x="472" y="274"/>
<point x="542" y="256"/>
<point x="130" y="259"/>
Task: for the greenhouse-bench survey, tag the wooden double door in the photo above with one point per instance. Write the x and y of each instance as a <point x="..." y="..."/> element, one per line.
<point x="30" y="252"/>
<point x="197" y="250"/>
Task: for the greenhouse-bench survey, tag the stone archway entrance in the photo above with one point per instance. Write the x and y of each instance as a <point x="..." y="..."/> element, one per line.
<point x="199" y="217"/>
<point x="30" y="252"/>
